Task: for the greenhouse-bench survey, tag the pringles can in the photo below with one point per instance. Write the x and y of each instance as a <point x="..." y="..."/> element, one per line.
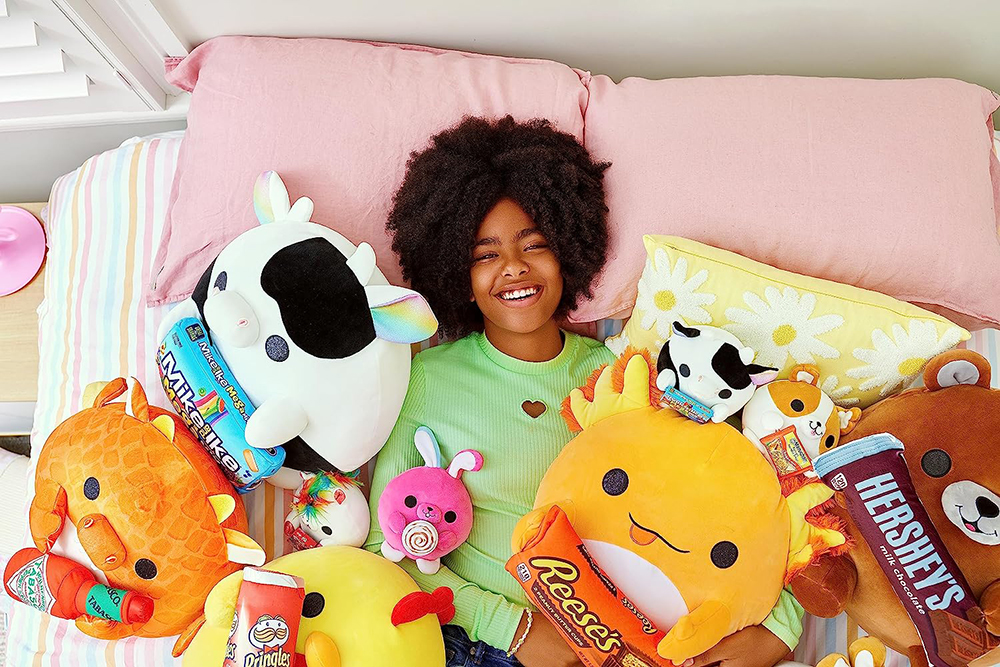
<point x="266" y="622"/>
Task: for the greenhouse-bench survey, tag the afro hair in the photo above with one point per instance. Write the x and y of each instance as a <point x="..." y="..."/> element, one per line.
<point x="450" y="187"/>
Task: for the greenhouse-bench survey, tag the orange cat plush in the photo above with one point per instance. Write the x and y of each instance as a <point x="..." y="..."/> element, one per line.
<point x="149" y="507"/>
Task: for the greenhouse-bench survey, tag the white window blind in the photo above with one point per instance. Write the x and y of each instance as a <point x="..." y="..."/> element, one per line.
<point x="61" y="62"/>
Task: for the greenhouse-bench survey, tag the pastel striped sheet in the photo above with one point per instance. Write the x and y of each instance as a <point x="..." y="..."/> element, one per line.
<point x="104" y="225"/>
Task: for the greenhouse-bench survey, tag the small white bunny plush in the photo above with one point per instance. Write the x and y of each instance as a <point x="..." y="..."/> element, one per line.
<point x="711" y="366"/>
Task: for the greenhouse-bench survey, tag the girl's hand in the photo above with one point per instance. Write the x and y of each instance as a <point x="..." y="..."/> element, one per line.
<point x="753" y="646"/>
<point x="544" y="646"/>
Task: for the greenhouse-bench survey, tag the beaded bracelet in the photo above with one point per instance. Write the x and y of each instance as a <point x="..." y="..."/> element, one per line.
<point x="520" y="642"/>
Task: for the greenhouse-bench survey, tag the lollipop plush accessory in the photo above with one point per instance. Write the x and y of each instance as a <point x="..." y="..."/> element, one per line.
<point x="426" y="512"/>
<point x="328" y="509"/>
<point x="687" y="520"/>
<point x="312" y="332"/>
<point x="707" y="374"/>
<point x="359" y="610"/>
<point x="793" y="421"/>
<point x="134" y="495"/>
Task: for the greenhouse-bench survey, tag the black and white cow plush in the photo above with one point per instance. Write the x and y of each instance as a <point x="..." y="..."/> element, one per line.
<point x="312" y="331"/>
<point x="712" y="366"/>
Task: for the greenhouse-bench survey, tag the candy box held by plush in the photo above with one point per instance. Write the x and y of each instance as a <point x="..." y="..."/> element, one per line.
<point x="211" y="402"/>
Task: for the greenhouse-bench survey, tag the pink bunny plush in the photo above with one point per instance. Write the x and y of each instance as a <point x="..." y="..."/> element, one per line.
<point x="426" y="512"/>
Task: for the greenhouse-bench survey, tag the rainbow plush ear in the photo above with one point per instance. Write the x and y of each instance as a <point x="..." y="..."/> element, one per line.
<point x="271" y="204"/>
<point x="400" y="315"/>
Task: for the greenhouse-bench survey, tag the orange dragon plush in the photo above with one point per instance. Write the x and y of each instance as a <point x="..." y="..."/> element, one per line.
<point x="149" y="507"/>
<point x="687" y="519"/>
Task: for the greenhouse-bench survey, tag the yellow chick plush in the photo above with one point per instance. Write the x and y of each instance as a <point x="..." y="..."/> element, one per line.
<point x="687" y="519"/>
<point x="353" y="626"/>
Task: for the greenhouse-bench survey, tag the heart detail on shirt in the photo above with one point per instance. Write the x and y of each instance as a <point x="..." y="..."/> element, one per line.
<point x="533" y="409"/>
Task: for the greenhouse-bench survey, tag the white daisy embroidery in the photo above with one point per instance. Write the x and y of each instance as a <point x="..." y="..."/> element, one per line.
<point x="666" y="294"/>
<point x="840" y="394"/>
<point x="783" y="325"/>
<point x="899" y="360"/>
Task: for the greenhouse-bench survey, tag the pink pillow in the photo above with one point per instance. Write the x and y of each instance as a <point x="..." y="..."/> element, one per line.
<point x="887" y="185"/>
<point x="337" y="120"/>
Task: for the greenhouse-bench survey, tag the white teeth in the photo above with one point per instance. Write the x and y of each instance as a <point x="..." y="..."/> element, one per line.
<point x="518" y="294"/>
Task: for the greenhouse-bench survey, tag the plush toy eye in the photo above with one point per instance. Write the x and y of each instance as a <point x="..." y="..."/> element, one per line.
<point x="798" y="405"/>
<point x="828" y="443"/>
<point x="312" y="605"/>
<point x="724" y="554"/>
<point x="410" y="501"/>
<point x="936" y="463"/>
<point x="450" y="517"/>
<point x="220" y="281"/>
<point x="145" y="568"/>
<point x="615" y="482"/>
<point x="684" y="370"/>
<point x="327" y="530"/>
<point x="276" y="348"/>
<point x="725" y="393"/>
<point x="91" y="488"/>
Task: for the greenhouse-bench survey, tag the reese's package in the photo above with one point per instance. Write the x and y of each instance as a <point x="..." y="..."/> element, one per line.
<point x="596" y="619"/>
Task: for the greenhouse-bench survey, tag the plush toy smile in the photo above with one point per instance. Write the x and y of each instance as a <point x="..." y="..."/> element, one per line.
<point x="644" y="536"/>
<point x="972" y="526"/>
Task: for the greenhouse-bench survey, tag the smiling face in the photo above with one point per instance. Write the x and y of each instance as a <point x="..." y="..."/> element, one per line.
<point x="676" y="513"/>
<point x="516" y="278"/>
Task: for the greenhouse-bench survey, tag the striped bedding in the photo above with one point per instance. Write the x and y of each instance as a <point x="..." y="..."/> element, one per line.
<point x="104" y="222"/>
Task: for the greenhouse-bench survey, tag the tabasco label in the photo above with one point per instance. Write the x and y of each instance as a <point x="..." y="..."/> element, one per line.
<point x="30" y="586"/>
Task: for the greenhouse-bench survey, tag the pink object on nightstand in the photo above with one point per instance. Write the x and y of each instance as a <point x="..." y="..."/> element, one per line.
<point x="22" y="248"/>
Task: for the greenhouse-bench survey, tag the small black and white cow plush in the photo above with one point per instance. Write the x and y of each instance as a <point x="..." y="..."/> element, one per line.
<point x="313" y="333"/>
<point x="711" y="366"/>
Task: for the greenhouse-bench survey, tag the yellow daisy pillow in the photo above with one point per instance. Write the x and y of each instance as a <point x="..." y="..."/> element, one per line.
<point x="867" y="345"/>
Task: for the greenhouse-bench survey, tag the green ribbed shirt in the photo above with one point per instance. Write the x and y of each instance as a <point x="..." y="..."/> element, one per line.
<point x="475" y="397"/>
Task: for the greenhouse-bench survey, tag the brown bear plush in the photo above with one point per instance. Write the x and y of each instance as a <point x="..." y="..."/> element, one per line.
<point x="951" y="431"/>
